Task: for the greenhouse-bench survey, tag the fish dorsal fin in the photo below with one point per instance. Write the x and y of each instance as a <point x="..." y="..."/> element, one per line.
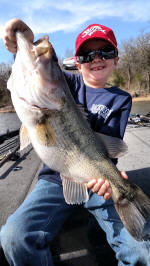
<point x="74" y="192"/>
<point x="115" y="147"/>
<point x="24" y="137"/>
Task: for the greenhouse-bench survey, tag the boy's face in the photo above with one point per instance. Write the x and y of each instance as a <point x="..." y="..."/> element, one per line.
<point x="96" y="73"/>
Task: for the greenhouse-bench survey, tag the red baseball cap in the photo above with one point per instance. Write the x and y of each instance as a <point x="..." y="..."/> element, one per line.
<point x="95" y="31"/>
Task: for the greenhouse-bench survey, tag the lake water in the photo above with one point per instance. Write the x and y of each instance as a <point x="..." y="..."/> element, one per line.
<point x="11" y="121"/>
<point x="8" y="121"/>
<point x="140" y="107"/>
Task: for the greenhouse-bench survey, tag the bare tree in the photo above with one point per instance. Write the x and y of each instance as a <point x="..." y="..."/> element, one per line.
<point x="5" y="71"/>
<point x="134" y="64"/>
<point x="128" y="60"/>
<point x="143" y="47"/>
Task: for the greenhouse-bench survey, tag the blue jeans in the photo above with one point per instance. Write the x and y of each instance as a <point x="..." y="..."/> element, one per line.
<point x="27" y="234"/>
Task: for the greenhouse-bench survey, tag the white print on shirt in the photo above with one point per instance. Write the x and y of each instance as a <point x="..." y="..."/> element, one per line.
<point x="102" y="110"/>
<point x="91" y="30"/>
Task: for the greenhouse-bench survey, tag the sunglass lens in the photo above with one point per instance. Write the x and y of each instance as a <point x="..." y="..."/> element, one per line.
<point x="88" y="57"/>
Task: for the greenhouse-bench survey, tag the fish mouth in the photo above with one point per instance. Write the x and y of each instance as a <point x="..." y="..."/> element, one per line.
<point x="28" y="103"/>
<point x="32" y="105"/>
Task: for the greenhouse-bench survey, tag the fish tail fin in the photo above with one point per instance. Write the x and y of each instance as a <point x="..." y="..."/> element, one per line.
<point x="135" y="213"/>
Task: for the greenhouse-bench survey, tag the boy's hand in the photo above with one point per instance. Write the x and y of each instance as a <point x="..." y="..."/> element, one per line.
<point x="9" y="33"/>
<point x="102" y="187"/>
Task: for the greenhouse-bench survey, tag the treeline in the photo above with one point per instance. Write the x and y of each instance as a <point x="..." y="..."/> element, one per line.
<point x="133" y="71"/>
<point x="5" y="71"/>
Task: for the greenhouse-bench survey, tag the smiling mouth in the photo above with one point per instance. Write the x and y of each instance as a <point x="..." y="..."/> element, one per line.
<point x="96" y="68"/>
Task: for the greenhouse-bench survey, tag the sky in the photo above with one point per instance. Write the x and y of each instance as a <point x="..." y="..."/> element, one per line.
<point x="63" y="20"/>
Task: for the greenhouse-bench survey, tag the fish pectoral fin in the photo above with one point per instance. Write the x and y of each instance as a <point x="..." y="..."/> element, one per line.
<point x="74" y="192"/>
<point x="24" y="138"/>
<point x="114" y="147"/>
<point x="45" y="134"/>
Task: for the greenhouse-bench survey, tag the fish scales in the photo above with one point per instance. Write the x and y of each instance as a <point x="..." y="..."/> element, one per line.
<point x="62" y="137"/>
<point x="76" y="142"/>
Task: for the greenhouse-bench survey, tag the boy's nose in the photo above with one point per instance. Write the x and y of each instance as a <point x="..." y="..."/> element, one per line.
<point x="97" y="58"/>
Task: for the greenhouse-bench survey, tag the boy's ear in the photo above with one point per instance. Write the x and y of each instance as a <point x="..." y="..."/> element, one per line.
<point x="78" y="66"/>
<point x="116" y="60"/>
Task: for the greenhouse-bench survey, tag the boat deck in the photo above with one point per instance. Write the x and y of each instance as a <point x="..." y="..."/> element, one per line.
<point x="81" y="241"/>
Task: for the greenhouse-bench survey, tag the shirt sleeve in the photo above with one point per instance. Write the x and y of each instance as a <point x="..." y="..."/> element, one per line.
<point x="124" y="115"/>
<point x="117" y="122"/>
<point x="74" y="82"/>
<point x="124" y="118"/>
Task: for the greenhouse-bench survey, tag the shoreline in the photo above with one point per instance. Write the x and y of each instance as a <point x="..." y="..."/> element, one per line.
<point x="7" y="109"/>
<point x="10" y="109"/>
<point x="141" y="98"/>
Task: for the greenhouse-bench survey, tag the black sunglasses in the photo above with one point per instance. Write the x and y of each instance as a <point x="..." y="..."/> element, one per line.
<point x="103" y="54"/>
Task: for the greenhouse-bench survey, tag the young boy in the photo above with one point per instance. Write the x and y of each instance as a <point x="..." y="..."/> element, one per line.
<point x="27" y="234"/>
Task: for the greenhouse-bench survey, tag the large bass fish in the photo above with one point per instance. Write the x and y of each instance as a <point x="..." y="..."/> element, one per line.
<point x="62" y="137"/>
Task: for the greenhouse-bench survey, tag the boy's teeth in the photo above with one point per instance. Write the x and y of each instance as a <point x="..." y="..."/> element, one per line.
<point x="97" y="68"/>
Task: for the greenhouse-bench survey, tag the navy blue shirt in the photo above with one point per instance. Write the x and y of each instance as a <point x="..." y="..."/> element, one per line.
<point x="108" y="111"/>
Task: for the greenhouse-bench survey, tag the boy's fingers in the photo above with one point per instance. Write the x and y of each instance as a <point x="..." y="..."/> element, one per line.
<point x="124" y="175"/>
<point x="95" y="185"/>
<point x="108" y="194"/>
<point x="91" y="183"/>
<point x="9" y="35"/>
<point x="99" y="185"/>
<point x="11" y="44"/>
<point x="103" y="188"/>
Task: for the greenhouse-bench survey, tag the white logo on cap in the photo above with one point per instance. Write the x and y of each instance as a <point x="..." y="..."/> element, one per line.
<point x="91" y="30"/>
